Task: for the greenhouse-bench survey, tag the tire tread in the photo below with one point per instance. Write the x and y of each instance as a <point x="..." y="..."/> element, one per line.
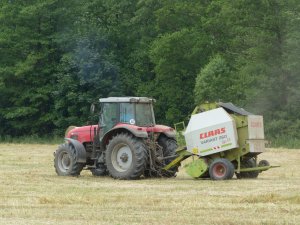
<point x="76" y="167"/>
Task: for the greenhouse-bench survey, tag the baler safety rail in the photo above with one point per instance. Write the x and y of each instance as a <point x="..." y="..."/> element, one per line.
<point x="197" y="168"/>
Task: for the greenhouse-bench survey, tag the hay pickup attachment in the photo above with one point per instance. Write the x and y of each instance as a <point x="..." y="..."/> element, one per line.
<point x="225" y="140"/>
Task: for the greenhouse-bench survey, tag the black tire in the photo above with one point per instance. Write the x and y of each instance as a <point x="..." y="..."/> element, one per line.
<point x="221" y="169"/>
<point x="248" y="163"/>
<point x="205" y="175"/>
<point x="126" y="157"/>
<point x="263" y="163"/>
<point x="65" y="161"/>
<point x="100" y="170"/>
<point x="169" y="146"/>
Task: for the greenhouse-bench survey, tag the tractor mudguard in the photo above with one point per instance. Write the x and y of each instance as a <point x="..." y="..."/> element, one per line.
<point x="170" y="134"/>
<point x="136" y="133"/>
<point x="80" y="150"/>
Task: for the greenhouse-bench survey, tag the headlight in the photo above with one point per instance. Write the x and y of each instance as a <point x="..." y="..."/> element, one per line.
<point x="74" y="136"/>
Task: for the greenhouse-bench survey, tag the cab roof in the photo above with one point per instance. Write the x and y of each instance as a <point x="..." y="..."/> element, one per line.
<point x="127" y="99"/>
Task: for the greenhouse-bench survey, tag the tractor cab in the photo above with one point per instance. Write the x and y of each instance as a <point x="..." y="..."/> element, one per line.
<point x="136" y="111"/>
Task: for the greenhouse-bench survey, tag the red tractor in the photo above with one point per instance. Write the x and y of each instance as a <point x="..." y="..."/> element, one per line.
<point x="126" y="144"/>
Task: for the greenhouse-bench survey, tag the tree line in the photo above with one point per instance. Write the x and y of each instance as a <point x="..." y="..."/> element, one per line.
<point x="57" y="57"/>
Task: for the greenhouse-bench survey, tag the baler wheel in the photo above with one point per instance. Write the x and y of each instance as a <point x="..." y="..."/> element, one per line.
<point x="263" y="163"/>
<point x="221" y="169"/>
<point x="65" y="161"/>
<point x="248" y="163"/>
<point x="126" y="157"/>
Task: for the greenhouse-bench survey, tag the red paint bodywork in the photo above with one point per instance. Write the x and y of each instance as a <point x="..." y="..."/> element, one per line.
<point x="82" y="134"/>
<point x="86" y="133"/>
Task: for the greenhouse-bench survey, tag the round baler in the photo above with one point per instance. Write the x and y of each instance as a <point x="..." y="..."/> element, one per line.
<point x="225" y="140"/>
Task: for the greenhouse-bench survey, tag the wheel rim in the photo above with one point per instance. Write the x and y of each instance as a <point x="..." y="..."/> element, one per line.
<point x="219" y="170"/>
<point x="121" y="157"/>
<point x="64" y="161"/>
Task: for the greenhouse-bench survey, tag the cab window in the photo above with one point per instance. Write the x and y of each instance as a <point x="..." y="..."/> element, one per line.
<point x="127" y="113"/>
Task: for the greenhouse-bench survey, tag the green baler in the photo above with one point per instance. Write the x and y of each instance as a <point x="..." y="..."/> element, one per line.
<point x="225" y="140"/>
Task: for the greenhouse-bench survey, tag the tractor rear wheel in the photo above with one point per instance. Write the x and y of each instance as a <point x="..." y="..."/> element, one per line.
<point x="126" y="157"/>
<point x="169" y="146"/>
<point x="248" y="163"/>
<point x="221" y="169"/>
<point x="65" y="161"/>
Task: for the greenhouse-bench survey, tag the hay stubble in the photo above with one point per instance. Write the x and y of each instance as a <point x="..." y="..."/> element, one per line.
<point x="31" y="193"/>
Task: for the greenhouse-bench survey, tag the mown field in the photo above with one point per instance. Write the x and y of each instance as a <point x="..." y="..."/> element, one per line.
<point x="31" y="193"/>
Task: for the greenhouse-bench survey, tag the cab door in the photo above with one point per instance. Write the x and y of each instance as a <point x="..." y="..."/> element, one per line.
<point x="109" y="117"/>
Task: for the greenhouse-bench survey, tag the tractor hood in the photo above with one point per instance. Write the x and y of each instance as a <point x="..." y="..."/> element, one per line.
<point x="82" y="134"/>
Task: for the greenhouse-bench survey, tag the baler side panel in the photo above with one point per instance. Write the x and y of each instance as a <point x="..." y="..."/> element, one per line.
<point x="211" y="132"/>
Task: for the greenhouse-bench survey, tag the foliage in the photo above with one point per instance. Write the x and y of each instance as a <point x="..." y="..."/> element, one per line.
<point x="57" y="57"/>
<point x="214" y="82"/>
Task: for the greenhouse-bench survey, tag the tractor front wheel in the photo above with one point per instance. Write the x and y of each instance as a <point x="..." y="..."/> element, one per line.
<point x="126" y="157"/>
<point x="221" y="169"/>
<point x="65" y="161"/>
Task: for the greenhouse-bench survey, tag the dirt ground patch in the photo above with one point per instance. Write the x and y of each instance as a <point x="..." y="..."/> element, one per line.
<point x="31" y="193"/>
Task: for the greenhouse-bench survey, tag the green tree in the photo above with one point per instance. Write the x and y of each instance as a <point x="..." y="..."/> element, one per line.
<point x="215" y="82"/>
<point x="56" y="57"/>
<point x="88" y="69"/>
<point x="28" y="58"/>
<point x="267" y="30"/>
<point x="178" y="54"/>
